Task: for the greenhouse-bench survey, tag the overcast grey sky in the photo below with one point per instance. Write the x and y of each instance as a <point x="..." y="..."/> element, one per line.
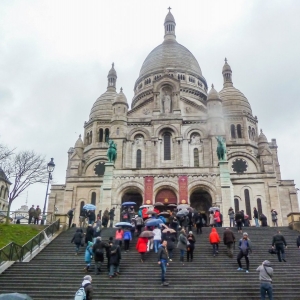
<point x="55" y="56"/>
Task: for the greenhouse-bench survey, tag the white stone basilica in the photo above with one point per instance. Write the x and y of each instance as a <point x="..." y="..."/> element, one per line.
<point x="166" y="144"/>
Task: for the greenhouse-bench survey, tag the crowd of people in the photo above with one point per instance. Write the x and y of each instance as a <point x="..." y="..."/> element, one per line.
<point x="174" y="231"/>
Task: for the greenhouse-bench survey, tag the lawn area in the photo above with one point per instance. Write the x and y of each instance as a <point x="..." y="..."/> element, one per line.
<point x="17" y="233"/>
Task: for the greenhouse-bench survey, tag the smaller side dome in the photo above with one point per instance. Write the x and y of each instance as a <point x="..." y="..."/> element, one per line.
<point x="262" y="138"/>
<point x="262" y="143"/>
<point x="79" y="143"/>
<point x="213" y="94"/>
<point x="121" y="98"/>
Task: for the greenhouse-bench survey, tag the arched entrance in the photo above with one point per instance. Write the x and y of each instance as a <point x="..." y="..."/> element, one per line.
<point x="201" y="200"/>
<point x="133" y="197"/>
<point x="166" y="196"/>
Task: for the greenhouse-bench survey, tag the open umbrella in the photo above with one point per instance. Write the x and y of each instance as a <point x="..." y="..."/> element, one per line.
<point x="128" y="203"/>
<point x="151" y="212"/>
<point x="183" y="212"/>
<point x="214" y="209"/>
<point x="181" y="206"/>
<point x="123" y="224"/>
<point x="190" y="209"/>
<point x="146" y="205"/>
<point x="164" y="214"/>
<point x="158" y="204"/>
<point x="15" y="296"/>
<point x="153" y="222"/>
<point x="89" y="207"/>
<point x="147" y="234"/>
<point x="169" y="229"/>
<point x="172" y="205"/>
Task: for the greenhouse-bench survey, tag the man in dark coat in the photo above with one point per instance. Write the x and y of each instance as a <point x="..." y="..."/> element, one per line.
<point x="255" y="216"/>
<point x="199" y="223"/>
<point x="263" y="220"/>
<point x="31" y="213"/>
<point x="239" y="221"/>
<point x="111" y="217"/>
<point x="115" y="257"/>
<point x="77" y="238"/>
<point x="89" y="234"/>
<point x="229" y="240"/>
<point x="279" y="243"/>
<point x="170" y="238"/>
<point x="98" y="250"/>
<point x="163" y="261"/>
<point x="37" y="214"/>
<point x="70" y="215"/>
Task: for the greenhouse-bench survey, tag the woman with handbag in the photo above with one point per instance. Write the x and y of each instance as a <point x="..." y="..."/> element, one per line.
<point x="182" y="244"/>
<point x="191" y="246"/>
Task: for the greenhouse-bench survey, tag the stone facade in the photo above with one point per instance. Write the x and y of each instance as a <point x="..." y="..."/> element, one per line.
<point x="167" y="144"/>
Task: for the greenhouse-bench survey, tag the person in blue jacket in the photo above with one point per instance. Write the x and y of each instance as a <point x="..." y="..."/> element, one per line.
<point x="127" y="237"/>
<point x="88" y="255"/>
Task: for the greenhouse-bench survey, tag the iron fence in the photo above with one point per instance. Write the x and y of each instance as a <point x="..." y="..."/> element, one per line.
<point x="15" y="252"/>
<point x="23" y="217"/>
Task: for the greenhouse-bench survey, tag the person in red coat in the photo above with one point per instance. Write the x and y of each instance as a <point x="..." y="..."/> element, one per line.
<point x="144" y="213"/>
<point x="217" y="218"/>
<point x="214" y="239"/>
<point x="141" y="247"/>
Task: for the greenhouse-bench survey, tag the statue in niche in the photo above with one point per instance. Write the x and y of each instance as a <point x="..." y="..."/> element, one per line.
<point x="166" y="100"/>
<point x="195" y="139"/>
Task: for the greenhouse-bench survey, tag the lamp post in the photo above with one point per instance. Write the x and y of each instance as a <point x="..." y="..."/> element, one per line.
<point x="50" y="169"/>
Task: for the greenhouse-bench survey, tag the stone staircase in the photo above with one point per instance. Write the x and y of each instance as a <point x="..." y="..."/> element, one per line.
<point x="56" y="273"/>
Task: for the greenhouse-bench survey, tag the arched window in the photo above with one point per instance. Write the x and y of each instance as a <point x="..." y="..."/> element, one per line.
<point x="250" y="132"/>
<point x="138" y="159"/>
<point x="81" y="205"/>
<point x="232" y="130"/>
<point x="101" y="135"/>
<point x="93" y="198"/>
<point x="196" y="157"/>
<point x="2" y="187"/>
<point x="88" y="138"/>
<point x="236" y="205"/>
<point x="239" y="131"/>
<point x="247" y="203"/>
<point x="106" y="135"/>
<point x="167" y="146"/>
<point x="253" y="134"/>
<point x="91" y="138"/>
<point x="118" y="131"/>
<point x="259" y="207"/>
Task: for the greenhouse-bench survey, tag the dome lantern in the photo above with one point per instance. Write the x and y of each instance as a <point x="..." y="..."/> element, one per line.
<point x="112" y="77"/>
<point x="170" y="26"/>
<point x="227" y="74"/>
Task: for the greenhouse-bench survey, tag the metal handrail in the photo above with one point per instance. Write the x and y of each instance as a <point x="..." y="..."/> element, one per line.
<point x="15" y="252"/>
<point x="23" y="215"/>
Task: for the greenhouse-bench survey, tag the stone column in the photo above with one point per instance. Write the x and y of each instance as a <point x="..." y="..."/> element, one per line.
<point x="227" y="190"/>
<point x="105" y="195"/>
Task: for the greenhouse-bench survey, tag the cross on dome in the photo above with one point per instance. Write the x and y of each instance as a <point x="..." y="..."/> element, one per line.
<point x="169" y="8"/>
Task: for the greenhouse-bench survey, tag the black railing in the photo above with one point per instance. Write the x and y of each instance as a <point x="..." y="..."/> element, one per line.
<point x="23" y="216"/>
<point x="15" y="252"/>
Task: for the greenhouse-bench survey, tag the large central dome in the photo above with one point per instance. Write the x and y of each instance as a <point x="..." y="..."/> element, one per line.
<point x="170" y="54"/>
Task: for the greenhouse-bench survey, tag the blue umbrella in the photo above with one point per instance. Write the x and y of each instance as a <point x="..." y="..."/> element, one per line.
<point x="154" y="222"/>
<point x="123" y="224"/>
<point x="128" y="203"/>
<point x="89" y="207"/>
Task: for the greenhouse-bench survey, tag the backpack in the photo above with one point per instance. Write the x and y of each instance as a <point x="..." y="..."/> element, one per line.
<point x="139" y="221"/>
<point x="126" y="235"/>
<point x="80" y="294"/>
<point x="140" y="213"/>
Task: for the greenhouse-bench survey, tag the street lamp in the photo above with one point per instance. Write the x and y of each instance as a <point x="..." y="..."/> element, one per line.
<point x="50" y="169"/>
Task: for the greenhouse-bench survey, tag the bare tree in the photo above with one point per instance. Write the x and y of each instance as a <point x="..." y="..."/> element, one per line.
<point x="5" y="153"/>
<point x="22" y="170"/>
